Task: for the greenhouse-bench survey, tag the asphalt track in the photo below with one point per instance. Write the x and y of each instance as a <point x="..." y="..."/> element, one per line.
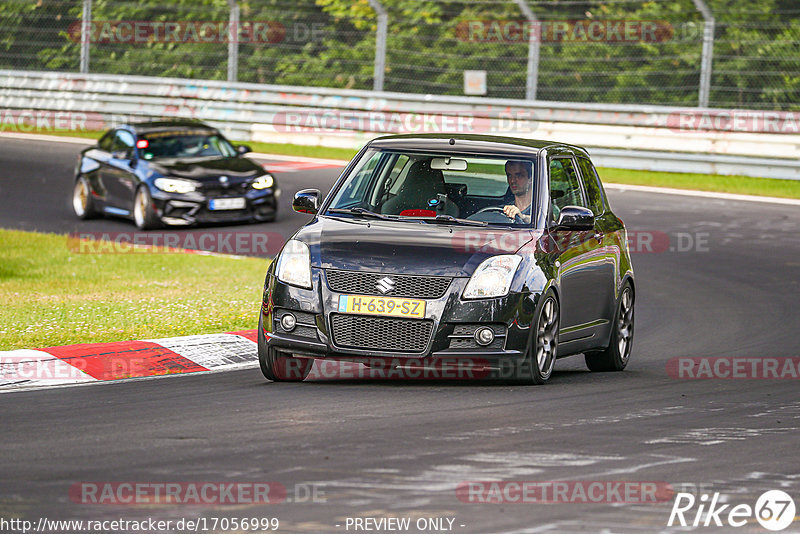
<point x="399" y="448"/>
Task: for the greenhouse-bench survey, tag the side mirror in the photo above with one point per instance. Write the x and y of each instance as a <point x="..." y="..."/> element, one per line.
<point x="306" y="201"/>
<point x="243" y="149"/>
<point x="575" y="218"/>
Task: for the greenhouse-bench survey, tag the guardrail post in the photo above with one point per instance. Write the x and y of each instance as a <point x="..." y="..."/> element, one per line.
<point x="233" y="41"/>
<point x="86" y="32"/>
<point x="380" y="45"/>
<point x="708" y="52"/>
<point x="534" y="44"/>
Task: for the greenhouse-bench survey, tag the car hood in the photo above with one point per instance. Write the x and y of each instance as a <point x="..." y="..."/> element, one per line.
<point x="405" y="247"/>
<point x="208" y="169"/>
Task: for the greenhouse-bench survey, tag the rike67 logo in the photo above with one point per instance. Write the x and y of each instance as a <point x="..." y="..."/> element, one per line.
<point x="774" y="510"/>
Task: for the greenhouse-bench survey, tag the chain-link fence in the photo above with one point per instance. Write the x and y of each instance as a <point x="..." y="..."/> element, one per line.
<point x="611" y="51"/>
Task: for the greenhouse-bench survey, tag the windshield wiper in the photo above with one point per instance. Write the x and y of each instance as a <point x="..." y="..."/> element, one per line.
<point x="363" y="212"/>
<point x="449" y="219"/>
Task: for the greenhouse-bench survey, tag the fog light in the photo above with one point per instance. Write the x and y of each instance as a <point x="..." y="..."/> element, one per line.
<point x="484" y="336"/>
<point x="288" y="322"/>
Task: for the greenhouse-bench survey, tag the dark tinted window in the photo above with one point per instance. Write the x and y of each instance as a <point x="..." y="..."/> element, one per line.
<point x="123" y="142"/>
<point x="105" y="142"/>
<point x="594" y="189"/>
<point x="565" y="188"/>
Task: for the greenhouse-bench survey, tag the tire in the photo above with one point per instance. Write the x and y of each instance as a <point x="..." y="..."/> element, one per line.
<point x="144" y="215"/>
<point x="82" y="201"/>
<point x="542" y="352"/>
<point x="616" y="356"/>
<point x="278" y="366"/>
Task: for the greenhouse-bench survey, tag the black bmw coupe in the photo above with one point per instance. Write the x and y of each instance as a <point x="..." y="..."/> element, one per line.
<point x="484" y="251"/>
<point x="172" y="173"/>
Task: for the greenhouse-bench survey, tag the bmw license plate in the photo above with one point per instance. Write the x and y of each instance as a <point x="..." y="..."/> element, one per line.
<point x="382" y="306"/>
<point x="216" y="204"/>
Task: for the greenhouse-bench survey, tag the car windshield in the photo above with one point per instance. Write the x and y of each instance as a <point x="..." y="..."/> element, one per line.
<point x="200" y="144"/>
<point x="438" y="187"/>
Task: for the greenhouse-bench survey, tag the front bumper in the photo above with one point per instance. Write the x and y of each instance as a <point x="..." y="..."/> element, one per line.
<point x="183" y="209"/>
<point x="451" y="322"/>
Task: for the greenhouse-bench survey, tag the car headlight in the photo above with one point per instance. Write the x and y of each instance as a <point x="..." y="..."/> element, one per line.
<point x="171" y="185"/>
<point x="493" y="277"/>
<point x="294" y="264"/>
<point x="263" y="182"/>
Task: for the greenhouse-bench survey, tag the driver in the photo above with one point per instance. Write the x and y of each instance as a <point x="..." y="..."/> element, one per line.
<point x="518" y="174"/>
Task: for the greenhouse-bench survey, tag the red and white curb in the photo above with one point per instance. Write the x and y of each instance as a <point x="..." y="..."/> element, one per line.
<point x="100" y="362"/>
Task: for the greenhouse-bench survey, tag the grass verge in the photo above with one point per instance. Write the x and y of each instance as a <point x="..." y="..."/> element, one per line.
<point x="743" y="185"/>
<point x="52" y="296"/>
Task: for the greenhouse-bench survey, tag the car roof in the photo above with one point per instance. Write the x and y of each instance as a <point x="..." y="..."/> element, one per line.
<point x="469" y="143"/>
<point x="140" y="128"/>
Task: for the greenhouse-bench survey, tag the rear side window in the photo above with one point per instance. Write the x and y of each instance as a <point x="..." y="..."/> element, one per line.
<point x="594" y="189"/>
<point x="565" y="188"/>
<point x="123" y="142"/>
<point x="105" y="142"/>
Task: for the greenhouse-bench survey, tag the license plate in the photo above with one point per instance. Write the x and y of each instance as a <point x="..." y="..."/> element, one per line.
<point x="217" y="204"/>
<point x="382" y="306"/>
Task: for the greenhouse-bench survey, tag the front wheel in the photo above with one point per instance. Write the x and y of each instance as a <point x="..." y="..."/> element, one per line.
<point x="616" y="356"/>
<point x="143" y="210"/>
<point x="278" y="366"/>
<point x="542" y="352"/>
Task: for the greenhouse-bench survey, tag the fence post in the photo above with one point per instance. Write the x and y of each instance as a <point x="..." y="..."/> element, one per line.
<point x="233" y="41"/>
<point x="380" y="45"/>
<point x="534" y="44"/>
<point x="708" y="52"/>
<point x="86" y="32"/>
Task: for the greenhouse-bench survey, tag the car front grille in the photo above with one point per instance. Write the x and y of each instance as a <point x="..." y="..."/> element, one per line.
<point x="422" y="287"/>
<point x="381" y="333"/>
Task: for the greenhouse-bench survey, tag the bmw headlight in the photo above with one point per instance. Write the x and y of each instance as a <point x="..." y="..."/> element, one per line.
<point x="263" y="182"/>
<point x="172" y="185"/>
<point x="294" y="264"/>
<point x="493" y="277"/>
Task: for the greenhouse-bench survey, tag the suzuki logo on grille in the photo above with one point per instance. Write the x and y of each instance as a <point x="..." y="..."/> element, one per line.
<point x="385" y="285"/>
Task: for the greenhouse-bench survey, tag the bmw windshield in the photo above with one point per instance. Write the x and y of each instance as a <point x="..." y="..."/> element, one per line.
<point x="192" y="144"/>
<point x="454" y="189"/>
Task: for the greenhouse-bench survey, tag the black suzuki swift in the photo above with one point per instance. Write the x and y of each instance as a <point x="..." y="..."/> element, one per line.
<point x="492" y="252"/>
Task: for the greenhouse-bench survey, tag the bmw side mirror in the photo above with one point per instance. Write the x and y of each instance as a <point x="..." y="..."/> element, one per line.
<point x="243" y="149"/>
<point x="306" y="201"/>
<point x="575" y="218"/>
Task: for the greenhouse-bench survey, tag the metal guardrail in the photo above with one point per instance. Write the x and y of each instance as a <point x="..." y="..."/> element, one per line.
<point x="633" y="137"/>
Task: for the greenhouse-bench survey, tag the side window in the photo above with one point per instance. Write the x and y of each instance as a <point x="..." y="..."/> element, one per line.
<point x="123" y="142"/>
<point x="105" y="142"/>
<point x="594" y="189"/>
<point x="565" y="188"/>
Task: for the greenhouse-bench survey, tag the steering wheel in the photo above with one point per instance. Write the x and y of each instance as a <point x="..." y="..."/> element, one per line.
<point x="497" y="209"/>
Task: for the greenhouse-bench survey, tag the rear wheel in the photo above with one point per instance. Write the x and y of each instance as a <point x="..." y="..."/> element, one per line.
<point x="82" y="202"/>
<point x="616" y="356"/>
<point x="541" y="356"/>
<point x="143" y="210"/>
<point x="279" y="366"/>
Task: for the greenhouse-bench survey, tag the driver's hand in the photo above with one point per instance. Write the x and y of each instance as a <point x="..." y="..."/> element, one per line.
<point x="511" y="211"/>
